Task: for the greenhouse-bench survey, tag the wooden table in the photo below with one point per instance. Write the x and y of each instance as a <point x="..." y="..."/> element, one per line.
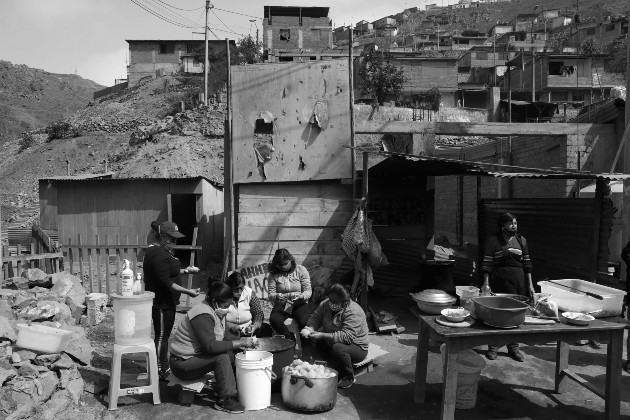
<point x="608" y="331"/>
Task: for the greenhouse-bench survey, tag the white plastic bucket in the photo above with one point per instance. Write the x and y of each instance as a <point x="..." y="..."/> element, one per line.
<point x="253" y="378"/>
<point x="469" y="366"/>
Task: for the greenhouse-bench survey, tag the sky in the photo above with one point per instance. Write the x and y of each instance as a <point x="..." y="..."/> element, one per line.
<point x="87" y="37"/>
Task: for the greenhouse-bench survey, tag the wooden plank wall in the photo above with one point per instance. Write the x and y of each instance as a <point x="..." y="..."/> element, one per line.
<point x="289" y="93"/>
<point x="211" y="230"/>
<point x="306" y="218"/>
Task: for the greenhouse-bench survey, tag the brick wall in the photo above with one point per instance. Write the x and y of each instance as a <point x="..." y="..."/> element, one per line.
<point x="423" y="75"/>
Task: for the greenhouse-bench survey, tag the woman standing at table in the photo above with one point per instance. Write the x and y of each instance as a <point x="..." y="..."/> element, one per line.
<point x="507" y="268"/>
<point x="162" y="276"/>
<point x="289" y="286"/>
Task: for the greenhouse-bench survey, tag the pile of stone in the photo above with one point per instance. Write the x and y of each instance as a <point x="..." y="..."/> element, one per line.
<point x="206" y="121"/>
<point x="35" y="385"/>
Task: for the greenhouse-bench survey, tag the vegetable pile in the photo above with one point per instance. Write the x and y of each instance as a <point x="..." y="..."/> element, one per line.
<point x="307" y="370"/>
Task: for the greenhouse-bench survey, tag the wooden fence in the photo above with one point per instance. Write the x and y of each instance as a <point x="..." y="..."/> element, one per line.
<point x="98" y="265"/>
<point x="25" y="257"/>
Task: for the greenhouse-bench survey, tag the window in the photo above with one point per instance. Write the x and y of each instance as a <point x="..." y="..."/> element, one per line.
<point x="610" y="28"/>
<point x="167" y="48"/>
<point x="285" y="34"/>
<point x="481" y="55"/>
<point x="590" y="31"/>
<point x="577" y="95"/>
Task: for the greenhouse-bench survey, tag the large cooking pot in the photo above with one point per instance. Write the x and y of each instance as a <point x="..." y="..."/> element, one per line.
<point x="282" y="350"/>
<point x="309" y="394"/>
<point x="432" y="301"/>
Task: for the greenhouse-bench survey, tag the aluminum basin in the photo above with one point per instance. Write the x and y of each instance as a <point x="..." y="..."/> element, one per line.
<point x="500" y="311"/>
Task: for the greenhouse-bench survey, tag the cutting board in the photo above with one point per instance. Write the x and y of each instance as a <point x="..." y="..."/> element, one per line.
<point x="538" y="321"/>
<point x="467" y="322"/>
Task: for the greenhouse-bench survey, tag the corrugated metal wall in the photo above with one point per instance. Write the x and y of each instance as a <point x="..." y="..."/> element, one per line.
<point x="559" y="233"/>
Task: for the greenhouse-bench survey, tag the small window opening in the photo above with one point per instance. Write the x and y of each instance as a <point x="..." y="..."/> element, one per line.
<point x="285" y="34"/>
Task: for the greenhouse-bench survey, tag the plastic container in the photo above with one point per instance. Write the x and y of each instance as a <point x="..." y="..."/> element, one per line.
<point x="132" y="318"/>
<point x="42" y="339"/>
<point x="573" y="301"/>
<point x="253" y="378"/>
<point x="126" y="279"/>
<point x="500" y="311"/>
<point x="469" y="367"/>
<point x="465" y="293"/>
<point x="138" y="285"/>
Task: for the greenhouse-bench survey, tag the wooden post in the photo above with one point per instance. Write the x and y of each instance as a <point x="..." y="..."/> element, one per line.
<point x="480" y="228"/>
<point x="351" y="87"/>
<point x="226" y="170"/>
<point x="364" y="288"/>
<point x="98" y="266"/>
<point x="107" y="279"/>
<point x="81" y="261"/>
<point x="118" y="284"/>
<point x="597" y="216"/>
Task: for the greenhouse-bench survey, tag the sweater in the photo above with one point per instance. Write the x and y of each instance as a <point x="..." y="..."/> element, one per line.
<point x="248" y="310"/>
<point x="499" y="253"/>
<point x="201" y="331"/>
<point x="347" y="326"/>
<point x="161" y="270"/>
<point x="290" y="286"/>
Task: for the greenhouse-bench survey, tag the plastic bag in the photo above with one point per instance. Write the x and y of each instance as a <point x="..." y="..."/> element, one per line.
<point x="376" y="257"/>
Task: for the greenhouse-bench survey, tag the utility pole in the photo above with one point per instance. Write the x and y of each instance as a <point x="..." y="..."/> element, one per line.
<point x="205" y="56"/>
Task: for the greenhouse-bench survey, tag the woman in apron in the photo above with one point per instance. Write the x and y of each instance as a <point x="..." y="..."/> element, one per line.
<point x="507" y="268"/>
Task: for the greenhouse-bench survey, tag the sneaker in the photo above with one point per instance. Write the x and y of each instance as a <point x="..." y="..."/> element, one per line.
<point x="491" y="355"/>
<point x="594" y="344"/>
<point x="346" y="382"/>
<point x="516" y="355"/>
<point x="229" y="405"/>
<point x="164" y="374"/>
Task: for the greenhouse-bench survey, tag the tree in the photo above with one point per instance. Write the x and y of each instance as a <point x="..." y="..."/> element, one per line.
<point x="559" y="39"/>
<point x="617" y="62"/>
<point x="590" y="46"/>
<point x="378" y="77"/>
<point x="248" y="51"/>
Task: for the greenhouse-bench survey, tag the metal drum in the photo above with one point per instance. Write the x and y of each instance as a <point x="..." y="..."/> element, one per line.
<point x="282" y="350"/>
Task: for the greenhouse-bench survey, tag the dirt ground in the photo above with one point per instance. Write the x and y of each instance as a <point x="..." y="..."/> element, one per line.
<point x="507" y="389"/>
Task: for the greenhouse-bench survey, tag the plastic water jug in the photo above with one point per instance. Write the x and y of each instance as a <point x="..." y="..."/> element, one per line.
<point x="126" y="279"/>
<point x="132" y="318"/>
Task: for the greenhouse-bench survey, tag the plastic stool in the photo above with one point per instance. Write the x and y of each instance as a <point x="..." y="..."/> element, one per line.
<point x="292" y="325"/>
<point x="115" y="373"/>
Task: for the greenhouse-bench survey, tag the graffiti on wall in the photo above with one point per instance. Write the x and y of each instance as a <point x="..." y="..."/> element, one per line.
<point x="396" y="211"/>
<point x="256" y="279"/>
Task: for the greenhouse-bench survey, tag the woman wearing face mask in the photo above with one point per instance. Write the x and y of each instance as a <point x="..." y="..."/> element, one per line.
<point x="245" y="315"/>
<point x="162" y="276"/>
<point x="201" y="344"/>
<point x="289" y="286"/>
<point x="507" y="268"/>
<point x="339" y="328"/>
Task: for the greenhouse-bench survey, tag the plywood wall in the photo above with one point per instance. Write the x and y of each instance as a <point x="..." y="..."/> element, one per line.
<point x="306" y="218"/>
<point x="287" y="95"/>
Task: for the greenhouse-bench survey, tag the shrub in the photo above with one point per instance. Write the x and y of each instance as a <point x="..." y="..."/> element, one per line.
<point x="61" y="130"/>
<point x="26" y="142"/>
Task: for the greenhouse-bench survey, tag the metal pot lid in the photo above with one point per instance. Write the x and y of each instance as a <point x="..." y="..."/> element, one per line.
<point x="434" y="296"/>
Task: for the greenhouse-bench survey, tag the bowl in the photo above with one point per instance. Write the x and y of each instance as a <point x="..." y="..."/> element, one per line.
<point x="432" y="301"/>
<point x="500" y="311"/>
<point x="578" y="318"/>
<point x="455" y="314"/>
<point x="42" y="339"/>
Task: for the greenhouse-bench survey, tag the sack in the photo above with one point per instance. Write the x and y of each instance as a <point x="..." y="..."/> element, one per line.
<point x="354" y="237"/>
<point x="376" y="257"/>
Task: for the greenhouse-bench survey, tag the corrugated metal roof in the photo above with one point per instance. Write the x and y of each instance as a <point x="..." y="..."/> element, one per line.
<point x="109" y="177"/>
<point x="431" y="165"/>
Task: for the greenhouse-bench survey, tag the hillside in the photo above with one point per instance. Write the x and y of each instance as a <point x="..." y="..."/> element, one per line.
<point x="180" y="145"/>
<point x="33" y="98"/>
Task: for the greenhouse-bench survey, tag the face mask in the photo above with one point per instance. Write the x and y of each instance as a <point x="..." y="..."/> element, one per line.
<point x="335" y="307"/>
<point x="221" y="312"/>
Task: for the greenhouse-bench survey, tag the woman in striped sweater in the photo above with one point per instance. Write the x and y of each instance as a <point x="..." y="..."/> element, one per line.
<point x="507" y="268"/>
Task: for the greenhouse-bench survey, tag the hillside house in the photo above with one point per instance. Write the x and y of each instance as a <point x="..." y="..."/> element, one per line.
<point x="549" y="14"/>
<point x="482" y="65"/>
<point x="466" y="42"/>
<point x="296" y="33"/>
<point x="565" y="77"/>
<point x="525" y="40"/>
<point x="500" y="29"/>
<point x="524" y="21"/>
<point x="421" y="74"/>
<point x="605" y="32"/>
<point x="384" y="22"/>
<point x="363" y="28"/>
<point x="103" y="210"/>
<point x="153" y="58"/>
<point x="559" y="22"/>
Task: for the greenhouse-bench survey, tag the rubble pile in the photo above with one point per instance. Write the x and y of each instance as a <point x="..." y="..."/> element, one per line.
<point x="207" y="121"/>
<point x="35" y="385"/>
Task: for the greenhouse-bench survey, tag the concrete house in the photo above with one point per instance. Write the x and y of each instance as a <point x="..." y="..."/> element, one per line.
<point x="524" y="21"/>
<point x="467" y="41"/>
<point x="384" y="22"/>
<point x="605" y="32"/>
<point x="155" y="57"/>
<point x="363" y="27"/>
<point x="296" y="33"/>
<point x="525" y="40"/>
<point x="500" y="29"/>
<point x="561" y="77"/>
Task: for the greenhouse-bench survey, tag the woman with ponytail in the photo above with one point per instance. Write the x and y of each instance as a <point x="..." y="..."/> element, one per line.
<point x="162" y="276"/>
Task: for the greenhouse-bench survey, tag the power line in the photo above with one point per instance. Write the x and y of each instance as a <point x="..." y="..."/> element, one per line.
<point x="171" y="14"/>
<point x="236" y="13"/>
<point x="228" y="28"/>
<point x="159" y="16"/>
<point x="177" y="8"/>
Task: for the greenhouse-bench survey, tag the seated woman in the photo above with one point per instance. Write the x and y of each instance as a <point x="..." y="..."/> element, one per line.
<point x="339" y="328"/>
<point x="201" y="345"/>
<point x="245" y="315"/>
<point x="289" y="286"/>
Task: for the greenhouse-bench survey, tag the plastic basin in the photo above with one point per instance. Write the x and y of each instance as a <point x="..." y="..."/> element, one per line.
<point x="499" y="311"/>
<point x="574" y="301"/>
<point x="42" y="339"/>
